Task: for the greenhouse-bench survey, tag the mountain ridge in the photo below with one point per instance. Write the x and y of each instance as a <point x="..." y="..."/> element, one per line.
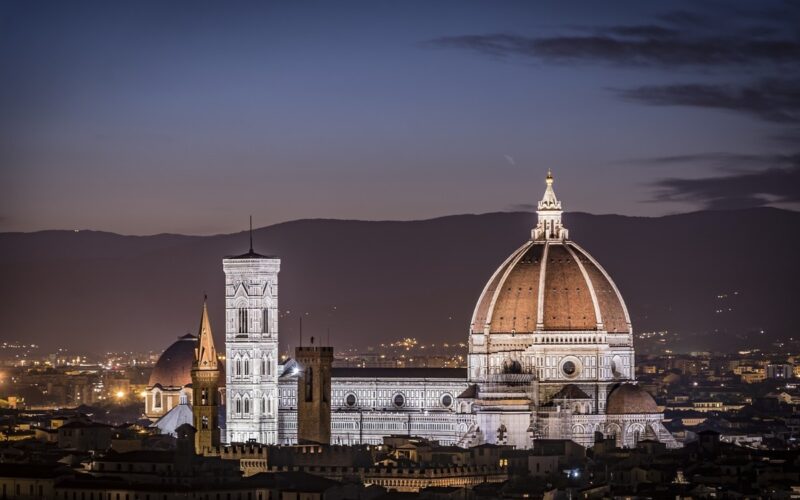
<point x="380" y="280"/>
<point x="328" y="219"/>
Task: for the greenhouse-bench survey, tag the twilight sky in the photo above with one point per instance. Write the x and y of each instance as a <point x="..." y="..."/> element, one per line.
<point x="185" y="117"/>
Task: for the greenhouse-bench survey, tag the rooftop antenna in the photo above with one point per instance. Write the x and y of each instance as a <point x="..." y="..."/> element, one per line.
<point x="251" y="234"/>
<point x="301" y="331"/>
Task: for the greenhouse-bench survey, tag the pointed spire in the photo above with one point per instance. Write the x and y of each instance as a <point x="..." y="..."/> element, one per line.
<point x="205" y="357"/>
<point x="549" y="211"/>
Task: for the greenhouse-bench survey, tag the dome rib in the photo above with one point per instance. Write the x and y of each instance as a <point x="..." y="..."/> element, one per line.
<point x="515" y="308"/>
<point x="567" y="303"/>
<point x="480" y="316"/>
<point x="613" y="321"/>
<point x="540" y="299"/>
<point x="502" y="283"/>
<point x="590" y="286"/>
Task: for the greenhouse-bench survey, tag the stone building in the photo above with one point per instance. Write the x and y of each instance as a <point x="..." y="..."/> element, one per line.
<point x="550" y="357"/>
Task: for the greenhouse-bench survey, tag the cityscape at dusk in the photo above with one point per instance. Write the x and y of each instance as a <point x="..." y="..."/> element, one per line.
<point x="370" y="250"/>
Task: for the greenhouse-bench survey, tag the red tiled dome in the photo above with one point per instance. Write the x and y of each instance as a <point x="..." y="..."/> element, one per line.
<point x="550" y="285"/>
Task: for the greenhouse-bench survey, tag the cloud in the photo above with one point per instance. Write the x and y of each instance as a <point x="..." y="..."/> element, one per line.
<point x="643" y="30"/>
<point x="721" y="160"/>
<point x="632" y="46"/>
<point x="774" y="100"/>
<point x="522" y="207"/>
<point x="718" y="36"/>
<point x="787" y="138"/>
<point x="740" y="189"/>
<point x="510" y="159"/>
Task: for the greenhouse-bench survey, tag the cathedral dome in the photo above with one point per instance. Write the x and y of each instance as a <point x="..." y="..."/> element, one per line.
<point x="630" y="399"/>
<point x="550" y="284"/>
<point x="174" y="366"/>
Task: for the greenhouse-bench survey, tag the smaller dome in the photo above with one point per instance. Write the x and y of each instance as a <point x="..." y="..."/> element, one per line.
<point x="630" y="398"/>
<point x="174" y="366"/>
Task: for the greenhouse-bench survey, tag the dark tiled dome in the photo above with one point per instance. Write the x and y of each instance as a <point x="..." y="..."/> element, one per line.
<point x="174" y="366"/>
<point x="629" y="399"/>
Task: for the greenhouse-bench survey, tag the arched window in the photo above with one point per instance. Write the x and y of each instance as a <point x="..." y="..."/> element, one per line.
<point x="263" y="404"/>
<point x="246" y="365"/>
<point x="246" y="405"/>
<point x="204" y="422"/>
<point x="243" y="320"/>
<point x="263" y="366"/>
<point x="238" y="365"/>
<point x="269" y="405"/>
<point x="265" y="321"/>
<point x="238" y="406"/>
<point x="157" y="399"/>
<point x="309" y="384"/>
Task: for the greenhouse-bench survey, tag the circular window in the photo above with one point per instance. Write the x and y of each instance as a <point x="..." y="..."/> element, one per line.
<point x="447" y="400"/>
<point x="350" y="400"/>
<point x="569" y="368"/>
<point x="399" y="400"/>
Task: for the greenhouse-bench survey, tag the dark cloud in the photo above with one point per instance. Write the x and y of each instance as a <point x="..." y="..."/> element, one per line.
<point x="774" y="100"/>
<point x="722" y="160"/>
<point x="713" y="37"/>
<point x="735" y="190"/>
<point x="787" y="138"/>
<point x="644" y="30"/>
<point x="632" y="49"/>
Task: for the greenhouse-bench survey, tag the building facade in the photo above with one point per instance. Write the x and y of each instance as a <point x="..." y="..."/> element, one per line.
<point x="550" y="356"/>
<point x="251" y="347"/>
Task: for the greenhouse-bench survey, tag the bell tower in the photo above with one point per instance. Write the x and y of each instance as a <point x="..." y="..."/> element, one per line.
<point x="251" y="347"/>
<point x="205" y="388"/>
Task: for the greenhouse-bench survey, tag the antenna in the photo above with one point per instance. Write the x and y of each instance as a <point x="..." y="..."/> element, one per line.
<point x="301" y="331"/>
<point x="251" y="234"/>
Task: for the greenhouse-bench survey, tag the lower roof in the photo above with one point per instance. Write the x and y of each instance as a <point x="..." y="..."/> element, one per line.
<point x="449" y="373"/>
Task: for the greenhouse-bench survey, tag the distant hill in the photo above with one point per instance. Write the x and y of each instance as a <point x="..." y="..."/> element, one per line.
<point x="376" y="281"/>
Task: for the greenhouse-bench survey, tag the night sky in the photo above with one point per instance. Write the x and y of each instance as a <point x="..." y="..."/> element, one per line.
<point x="185" y="117"/>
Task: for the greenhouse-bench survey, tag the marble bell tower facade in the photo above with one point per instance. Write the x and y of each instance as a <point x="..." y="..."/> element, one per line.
<point x="251" y="347"/>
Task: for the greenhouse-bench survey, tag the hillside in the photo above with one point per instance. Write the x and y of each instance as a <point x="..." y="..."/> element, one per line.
<point x="376" y="281"/>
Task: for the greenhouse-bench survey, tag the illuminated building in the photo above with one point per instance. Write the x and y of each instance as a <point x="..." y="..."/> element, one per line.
<point x="550" y="357"/>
